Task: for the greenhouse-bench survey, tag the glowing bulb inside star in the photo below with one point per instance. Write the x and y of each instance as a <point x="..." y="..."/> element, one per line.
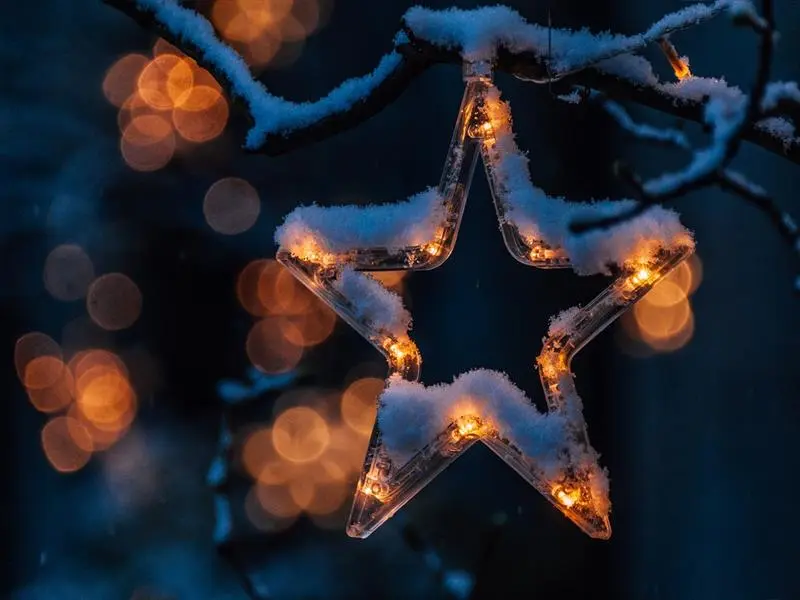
<point x="565" y="497"/>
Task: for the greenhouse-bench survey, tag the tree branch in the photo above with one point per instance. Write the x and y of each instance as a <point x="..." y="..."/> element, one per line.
<point x="342" y="109"/>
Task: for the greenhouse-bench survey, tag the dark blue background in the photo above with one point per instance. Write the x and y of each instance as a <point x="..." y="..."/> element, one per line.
<point x="701" y="444"/>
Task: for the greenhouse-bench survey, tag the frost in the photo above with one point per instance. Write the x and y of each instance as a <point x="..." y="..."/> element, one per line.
<point x="339" y="229"/>
<point x="411" y="415"/>
<point x="373" y="303"/>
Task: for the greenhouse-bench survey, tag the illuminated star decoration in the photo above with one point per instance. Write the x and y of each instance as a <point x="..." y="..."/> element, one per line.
<point x="420" y="430"/>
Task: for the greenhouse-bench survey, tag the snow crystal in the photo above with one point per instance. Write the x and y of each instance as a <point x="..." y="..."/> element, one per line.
<point x="339" y="229"/>
<point x="411" y="415"/>
<point x="542" y="217"/>
<point x="563" y="322"/>
<point x="372" y="302"/>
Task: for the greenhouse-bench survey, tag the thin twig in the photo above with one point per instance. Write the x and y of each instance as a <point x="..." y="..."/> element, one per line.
<point x="713" y="173"/>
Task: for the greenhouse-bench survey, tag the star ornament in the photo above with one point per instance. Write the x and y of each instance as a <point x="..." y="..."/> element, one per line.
<point x="420" y="430"/>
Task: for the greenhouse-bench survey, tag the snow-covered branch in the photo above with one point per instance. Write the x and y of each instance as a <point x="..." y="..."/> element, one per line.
<point x="604" y="62"/>
<point x="729" y="113"/>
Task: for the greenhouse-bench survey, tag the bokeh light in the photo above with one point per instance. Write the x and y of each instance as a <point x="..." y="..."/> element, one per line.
<point x="268" y="32"/>
<point x="42" y="372"/>
<point x="359" y="404"/>
<point x="277" y="501"/>
<point x="68" y="271"/>
<point x="279" y="292"/>
<point x="165" y="79"/>
<point x="31" y="346"/>
<point x="231" y="206"/>
<point x="663" y="321"/>
<point x="311" y="328"/>
<point x="114" y="301"/>
<point x="147" y="143"/>
<point x="106" y="399"/>
<point x="92" y="391"/>
<point x="247" y="286"/>
<point x="202" y="115"/>
<point x="120" y="80"/>
<point x="59" y="445"/>
<point x="300" y="434"/>
<point x="268" y="350"/>
<point x="262" y="519"/>
<point x="160" y="100"/>
<point x="58" y="394"/>
<point x="307" y="461"/>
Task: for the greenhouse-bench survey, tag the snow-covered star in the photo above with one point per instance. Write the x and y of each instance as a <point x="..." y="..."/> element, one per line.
<point x="421" y="430"/>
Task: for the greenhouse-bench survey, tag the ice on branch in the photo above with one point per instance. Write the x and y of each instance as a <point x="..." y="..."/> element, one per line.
<point x="372" y="303"/>
<point x="478" y="34"/>
<point x="412" y="414"/>
<point x="538" y="216"/>
<point x="340" y="229"/>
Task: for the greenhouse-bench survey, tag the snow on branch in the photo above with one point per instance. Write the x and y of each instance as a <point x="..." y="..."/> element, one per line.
<point x="428" y="37"/>
<point x="728" y="113"/>
<point x="478" y="34"/>
<point x="539" y="216"/>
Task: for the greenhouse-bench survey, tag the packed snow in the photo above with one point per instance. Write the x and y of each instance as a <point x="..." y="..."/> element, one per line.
<point x="477" y="34"/>
<point x="372" y="302"/>
<point x="411" y="415"/>
<point x="339" y="229"/>
<point x="542" y="217"/>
